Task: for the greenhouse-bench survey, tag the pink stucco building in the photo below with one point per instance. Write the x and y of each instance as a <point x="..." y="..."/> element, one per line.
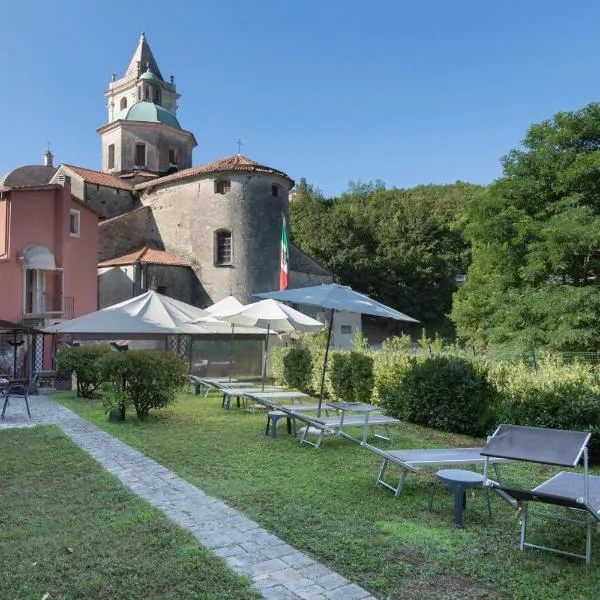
<point x="48" y="249"/>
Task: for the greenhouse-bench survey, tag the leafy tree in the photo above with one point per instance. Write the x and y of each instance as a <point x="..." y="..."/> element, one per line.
<point x="403" y="247"/>
<point x="535" y="236"/>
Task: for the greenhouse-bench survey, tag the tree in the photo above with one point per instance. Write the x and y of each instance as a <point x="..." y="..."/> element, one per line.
<point x="535" y="236"/>
<point x="403" y="247"/>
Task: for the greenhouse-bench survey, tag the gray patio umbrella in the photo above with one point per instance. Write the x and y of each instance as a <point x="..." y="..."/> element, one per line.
<point x="336" y="297"/>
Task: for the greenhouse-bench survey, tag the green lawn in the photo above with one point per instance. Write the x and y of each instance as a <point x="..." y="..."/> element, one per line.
<point x="325" y="503"/>
<point x="70" y="530"/>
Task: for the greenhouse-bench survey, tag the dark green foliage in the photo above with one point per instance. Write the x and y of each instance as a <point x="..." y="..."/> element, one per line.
<point x="145" y="379"/>
<point x="86" y="363"/>
<point x="297" y="368"/>
<point x="403" y="247"/>
<point x="352" y="377"/>
<point x="566" y="405"/>
<point x="447" y="393"/>
<point x="535" y="236"/>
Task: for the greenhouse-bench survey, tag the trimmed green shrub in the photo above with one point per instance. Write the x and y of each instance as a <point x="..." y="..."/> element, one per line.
<point x="86" y="363"/>
<point x="444" y="392"/>
<point x="297" y="368"/>
<point x="560" y="396"/>
<point x="144" y="379"/>
<point x="352" y="378"/>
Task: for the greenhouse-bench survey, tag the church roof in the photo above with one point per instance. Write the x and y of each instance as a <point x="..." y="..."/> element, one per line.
<point x="145" y="254"/>
<point x="29" y="175"/>
<point x="223" y="165"/>
<point x="99" y="178"/>
<point x="144" y="57"/>
<point x="149" y="112"/>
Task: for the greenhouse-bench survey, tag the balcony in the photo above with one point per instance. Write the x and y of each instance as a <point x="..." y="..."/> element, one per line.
<point x="47" y="306"/>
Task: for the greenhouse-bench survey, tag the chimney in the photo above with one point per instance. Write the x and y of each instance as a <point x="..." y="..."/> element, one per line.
<point x="64" y="180"/>
<point x="48" y="158"/>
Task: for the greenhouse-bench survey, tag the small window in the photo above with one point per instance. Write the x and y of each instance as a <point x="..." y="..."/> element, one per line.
<point x="161" y="289"/>
<point x="172" y="157"/>
<point x="111" y="156"/>
<point x="346" y="328"/>
<point x="123" y="103"/>
<point x="275" y="191"/>
<point x="222" y="186"/>
<point x="223" y="247"/>
<point x="146" y="93"/>
<point x="140" y="155"/>
<point x="75" y="223"/>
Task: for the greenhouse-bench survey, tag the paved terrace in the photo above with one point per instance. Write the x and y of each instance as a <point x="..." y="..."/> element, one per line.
<point x="276" y="569"/>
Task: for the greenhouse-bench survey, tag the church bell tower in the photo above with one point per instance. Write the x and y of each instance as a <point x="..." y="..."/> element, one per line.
<point x="143" y="136"/>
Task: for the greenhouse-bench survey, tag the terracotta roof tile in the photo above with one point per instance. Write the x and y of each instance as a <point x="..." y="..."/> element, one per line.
<point x="228" y="164"/>
<point x="145" y="254"/>
<point x="99" y="178"/>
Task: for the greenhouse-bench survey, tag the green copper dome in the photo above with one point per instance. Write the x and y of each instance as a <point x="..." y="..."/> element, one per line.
<point x="149" y="112"/>
<point x="149" y="75"/>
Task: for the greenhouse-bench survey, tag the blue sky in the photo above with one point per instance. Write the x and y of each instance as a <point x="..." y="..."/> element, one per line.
<point x="406" y="91"/>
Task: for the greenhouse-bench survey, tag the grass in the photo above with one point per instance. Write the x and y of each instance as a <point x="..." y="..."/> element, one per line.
<point x="325" y="503"/>
<point x="70" y="530"/>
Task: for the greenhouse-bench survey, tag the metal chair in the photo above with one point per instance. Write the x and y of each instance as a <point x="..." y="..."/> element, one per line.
<point x="17" y="388"/>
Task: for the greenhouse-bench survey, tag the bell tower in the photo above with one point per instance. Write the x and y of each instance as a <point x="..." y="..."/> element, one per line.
<point x="143" y="133"/>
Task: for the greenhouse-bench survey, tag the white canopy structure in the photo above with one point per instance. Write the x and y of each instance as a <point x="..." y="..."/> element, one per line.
<point x="148" y="315"/>
<point x="273" y="315"/>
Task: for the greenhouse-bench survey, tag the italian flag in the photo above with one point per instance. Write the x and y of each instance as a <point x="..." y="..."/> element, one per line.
<point x="284" y="256"/>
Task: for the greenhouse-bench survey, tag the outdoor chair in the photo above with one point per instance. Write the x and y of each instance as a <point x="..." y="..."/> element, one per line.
<point x="409" y="461"/>
<point x="17" y="388"/>
<point x="579" y="492"/>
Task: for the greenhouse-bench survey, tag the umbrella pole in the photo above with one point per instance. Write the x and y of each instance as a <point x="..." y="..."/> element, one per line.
<point x="231" y="352"/>
<point x="265" y="360"/>
<point x="325" y="364"/>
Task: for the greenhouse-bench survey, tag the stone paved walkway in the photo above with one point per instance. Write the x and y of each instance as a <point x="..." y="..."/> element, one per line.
<point x="276" y="569"/>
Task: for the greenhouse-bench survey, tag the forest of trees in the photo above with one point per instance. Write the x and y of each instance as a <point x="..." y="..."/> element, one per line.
<point x="529" y="243"/>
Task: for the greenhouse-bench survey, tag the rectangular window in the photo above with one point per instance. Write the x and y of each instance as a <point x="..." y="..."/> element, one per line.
<point x="223" y="248"/>
<point x="75" y="223"/>
<point x="346" y="328"/>
<point x="111" y="156"/>
<point x="172" y="157"/>
<point x="140" y="155"/>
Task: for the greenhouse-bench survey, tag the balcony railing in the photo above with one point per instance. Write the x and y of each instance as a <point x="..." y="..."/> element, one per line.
<point x="50" y="306"/>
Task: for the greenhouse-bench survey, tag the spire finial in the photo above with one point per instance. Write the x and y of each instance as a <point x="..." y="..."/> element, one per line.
<point x="143" y="37"/>
<point x="239" y="144"/>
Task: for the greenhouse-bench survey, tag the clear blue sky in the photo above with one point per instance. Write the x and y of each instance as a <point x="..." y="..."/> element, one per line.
<point x="406" y="91"/>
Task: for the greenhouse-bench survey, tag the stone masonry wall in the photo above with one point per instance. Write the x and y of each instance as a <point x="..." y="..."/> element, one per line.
<point x="109" y="202"/>
<point x="127" y="232"/>
<point x="189" y="213"/>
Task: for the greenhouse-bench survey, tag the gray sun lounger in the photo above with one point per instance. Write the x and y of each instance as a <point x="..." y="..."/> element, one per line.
<point x="577" y="491"/>
<point x="409" y="461"/>
<point x="321" y="426"/>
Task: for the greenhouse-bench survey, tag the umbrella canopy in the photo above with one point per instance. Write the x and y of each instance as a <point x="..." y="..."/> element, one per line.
<point x="227" y="306"/>
<point x="149" y="314"/>
<point x="273" y="315"/>
<point x="336" y="297"/>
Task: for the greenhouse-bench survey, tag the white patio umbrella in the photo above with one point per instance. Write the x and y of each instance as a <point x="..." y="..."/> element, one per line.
<point x="272" y="316"/>
<point x="336" y="297"/>
<point x="226" y="306"/>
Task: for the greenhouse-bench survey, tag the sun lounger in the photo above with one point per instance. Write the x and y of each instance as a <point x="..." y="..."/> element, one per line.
<point x="230" y="392"/>
<point x="322" y="426"/>
<point x="268" y="398"/>
<point x="579" y="492"/>
<point x="409" y="461"/>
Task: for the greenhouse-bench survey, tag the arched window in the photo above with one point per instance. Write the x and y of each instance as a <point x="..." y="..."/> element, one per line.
<point x="223" y="247"/>
<point x="222" y="186"/>
<point x="123" y="103"/>
<point x="275" y="191"/>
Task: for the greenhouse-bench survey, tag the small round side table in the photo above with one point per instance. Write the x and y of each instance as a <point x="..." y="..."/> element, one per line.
<point x="460" y="481"/>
